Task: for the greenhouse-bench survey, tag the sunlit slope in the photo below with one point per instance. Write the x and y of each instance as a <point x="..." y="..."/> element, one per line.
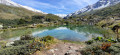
<point x="10" y="12"/>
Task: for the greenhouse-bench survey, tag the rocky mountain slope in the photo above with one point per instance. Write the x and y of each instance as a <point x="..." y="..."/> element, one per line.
<point x="99" y="5"/>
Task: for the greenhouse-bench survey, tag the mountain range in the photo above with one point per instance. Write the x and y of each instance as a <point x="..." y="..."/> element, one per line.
<point x="98" y="5"/>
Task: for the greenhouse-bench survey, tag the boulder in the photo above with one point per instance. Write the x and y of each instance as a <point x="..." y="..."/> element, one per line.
<point x="9" y="44"/>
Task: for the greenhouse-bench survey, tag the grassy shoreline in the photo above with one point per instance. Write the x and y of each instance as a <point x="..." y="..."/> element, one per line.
<point x="29" y="45"/>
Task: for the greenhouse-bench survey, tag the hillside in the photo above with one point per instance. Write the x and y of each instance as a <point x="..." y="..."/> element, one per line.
<point x="10" y="12"/>
<point x="109" y="11"/>
<point x="12" y="16"/>
<point x="98" y="5"/>
<point x="101" y="16"/>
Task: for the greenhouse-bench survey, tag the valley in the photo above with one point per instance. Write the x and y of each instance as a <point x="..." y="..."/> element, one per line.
<point x="92" y="30"/>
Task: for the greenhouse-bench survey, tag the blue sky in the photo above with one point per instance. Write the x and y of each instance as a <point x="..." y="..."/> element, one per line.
<point x="56" y="6"/>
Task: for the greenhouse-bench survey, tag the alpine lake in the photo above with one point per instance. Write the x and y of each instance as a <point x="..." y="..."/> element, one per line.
<point x="72" y="33"/>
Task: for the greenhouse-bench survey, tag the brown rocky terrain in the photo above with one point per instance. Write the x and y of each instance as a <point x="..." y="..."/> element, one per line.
<point x="62" y="49"/>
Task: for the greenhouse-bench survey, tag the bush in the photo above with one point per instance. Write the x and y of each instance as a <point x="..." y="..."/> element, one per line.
<point x="101" y="48"/>
<point x="47" y="38"/>
<point x="26" y="37"/>
<point x="21" y="42"/>
<point x="89" y="42"/>
<point x="36" y="45"/>
<point x="22" y="47"/>
<point x="101" y="39"/>
<point x="16" y="50"/>
<point x="27" y="45"/>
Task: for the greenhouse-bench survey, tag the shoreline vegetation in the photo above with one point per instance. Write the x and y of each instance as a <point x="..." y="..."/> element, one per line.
<point x="29" y="26"/>
<point x="28" y="45"/>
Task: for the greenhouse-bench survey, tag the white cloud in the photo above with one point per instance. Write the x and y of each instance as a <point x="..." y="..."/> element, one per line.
<point x="34" y="3"/>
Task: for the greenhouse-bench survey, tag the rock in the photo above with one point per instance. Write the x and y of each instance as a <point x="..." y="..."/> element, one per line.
<point x="71" y="47"/>
<point x="9" y="44"/>
<point x="54" y="54"/>
<point x="70" y="52"/>
<point x="56" y="49"/>
<point x="52" y="50"/>
<point x="67" y="54"/>
<point x="77" y="50"/>
<point x="80" y="47"/>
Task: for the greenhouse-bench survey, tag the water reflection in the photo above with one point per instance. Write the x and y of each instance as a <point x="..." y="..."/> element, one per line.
<point x="66" y="33"/>
<point x="74" y="33"/>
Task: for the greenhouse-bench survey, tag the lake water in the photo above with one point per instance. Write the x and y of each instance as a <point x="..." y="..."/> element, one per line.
<point x="73" y="33"/>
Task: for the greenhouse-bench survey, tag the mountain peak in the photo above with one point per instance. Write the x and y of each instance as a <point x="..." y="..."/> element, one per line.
<point x="98" y="5"/>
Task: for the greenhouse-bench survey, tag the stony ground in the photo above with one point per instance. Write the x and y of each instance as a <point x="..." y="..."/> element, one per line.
<point x="62" y="49"/>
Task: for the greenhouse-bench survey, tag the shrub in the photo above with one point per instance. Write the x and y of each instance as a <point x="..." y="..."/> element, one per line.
<point x="101" y="39"/>
<point x="21" y="42"/>
<point x="100" y="48"/>
<point x="47" y="38"/>
<point x="36" y="45"/>
<point x="16" y="50"/>
<point x="98" y="38"/>
<point x="22" y="47"/>
<point x="27" y="45"/>
<point x="26" y="37"/>
<point x="89" y="42"/>
<point x="105" y="46"/>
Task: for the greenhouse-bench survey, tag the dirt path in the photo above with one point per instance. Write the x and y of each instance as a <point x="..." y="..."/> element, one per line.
<point x="64" y="49"/>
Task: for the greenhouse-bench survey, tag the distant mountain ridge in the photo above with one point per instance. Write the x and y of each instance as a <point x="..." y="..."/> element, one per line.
<point x="61" y="15"/>
<point x="99" y="5"/>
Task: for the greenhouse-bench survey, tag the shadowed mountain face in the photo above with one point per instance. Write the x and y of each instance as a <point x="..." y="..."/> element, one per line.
<point x="98" y="5"/>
